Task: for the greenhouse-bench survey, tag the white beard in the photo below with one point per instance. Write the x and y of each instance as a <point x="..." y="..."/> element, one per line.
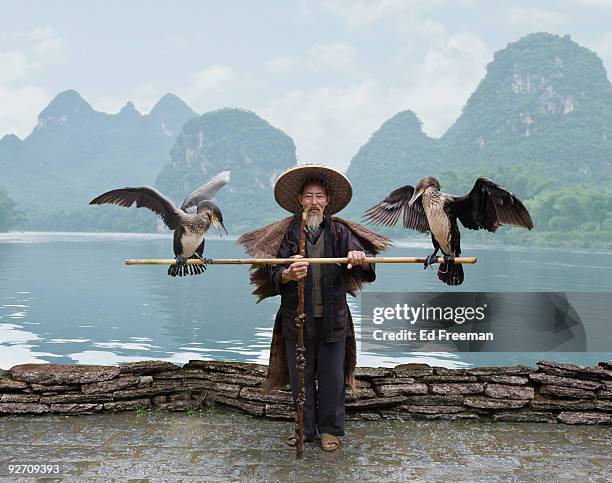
<point x="314" y="218"/>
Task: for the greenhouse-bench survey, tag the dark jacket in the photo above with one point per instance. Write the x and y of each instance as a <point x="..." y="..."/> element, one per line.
<point x="339" y="240"/>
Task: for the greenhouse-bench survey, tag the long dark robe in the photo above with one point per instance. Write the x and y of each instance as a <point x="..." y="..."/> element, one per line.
<point x="265" y="243"/>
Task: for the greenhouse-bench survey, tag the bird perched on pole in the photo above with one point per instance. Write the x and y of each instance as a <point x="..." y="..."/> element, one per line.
<point x="427" y="209"/>
<point x="190" y="222"/>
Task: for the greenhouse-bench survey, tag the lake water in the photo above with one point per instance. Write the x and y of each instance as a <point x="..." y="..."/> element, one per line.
<point x="69" y="298"/>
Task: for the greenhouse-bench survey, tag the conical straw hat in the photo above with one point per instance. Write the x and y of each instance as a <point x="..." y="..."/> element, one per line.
<point x="289" y="184"/>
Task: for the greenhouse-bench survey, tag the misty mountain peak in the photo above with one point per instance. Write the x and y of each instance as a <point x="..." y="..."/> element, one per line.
<point x="406" y="121"/>
<point x="67" y="104"/>
<point x="531" y="86"/>
<point x="10" y="140"/>
<point x="544" y="98"/>
<point x="549" y="66"/>
<point x="170" y="105"/>
<point x="170" y="113"/>
<point x="10" y="146"/>
<point x="235" y="140"/>
<point x="129" y="110"/>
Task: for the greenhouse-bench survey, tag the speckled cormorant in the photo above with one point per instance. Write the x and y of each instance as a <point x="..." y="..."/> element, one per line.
<point x="190" y="222"/>
<point x="427" y="209"/>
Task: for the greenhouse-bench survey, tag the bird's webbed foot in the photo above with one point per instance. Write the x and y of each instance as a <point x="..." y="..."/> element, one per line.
<point x="449" y="259"/>
<point x="205" y="261"/>
<point x="180" y="268"/>
<point x="430" y="260"/>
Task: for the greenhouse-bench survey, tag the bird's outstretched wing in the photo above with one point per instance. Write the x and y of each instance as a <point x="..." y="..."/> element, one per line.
<point x="206" y="191"/>
<point x="146" y="197"/>
<point x="388" y="211"/>
<point x="489" y="206"/>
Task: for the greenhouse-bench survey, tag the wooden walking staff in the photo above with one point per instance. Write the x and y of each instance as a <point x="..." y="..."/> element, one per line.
<point x="300" y="358"/>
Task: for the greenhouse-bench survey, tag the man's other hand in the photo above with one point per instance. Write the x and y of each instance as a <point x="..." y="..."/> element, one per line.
<point x="355" y="258"/>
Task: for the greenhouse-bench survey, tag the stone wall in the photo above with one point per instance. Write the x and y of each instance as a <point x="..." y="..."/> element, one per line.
<point x="551" y="393"/>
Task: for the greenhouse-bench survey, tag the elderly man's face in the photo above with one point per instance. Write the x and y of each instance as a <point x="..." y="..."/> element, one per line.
<point x="313" y="197"/>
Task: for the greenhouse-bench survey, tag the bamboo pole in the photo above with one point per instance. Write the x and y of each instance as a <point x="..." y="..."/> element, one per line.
<point x="287" y="261"/>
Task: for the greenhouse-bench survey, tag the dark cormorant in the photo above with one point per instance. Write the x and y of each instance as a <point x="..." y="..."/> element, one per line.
<point x="427" y="209"/>
<point x="190" y="222"/>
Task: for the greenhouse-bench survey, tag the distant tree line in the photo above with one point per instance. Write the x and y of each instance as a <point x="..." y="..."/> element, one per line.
<point x="573" y="208"/>
<point x="10" y="216"/>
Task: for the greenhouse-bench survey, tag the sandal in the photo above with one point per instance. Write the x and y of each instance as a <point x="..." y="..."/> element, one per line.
<point x="291" y="440"/>
<point x="329" y="442"/>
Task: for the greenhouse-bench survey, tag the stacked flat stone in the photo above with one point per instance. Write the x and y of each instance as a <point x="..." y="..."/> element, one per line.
<point x="553" y="392"/>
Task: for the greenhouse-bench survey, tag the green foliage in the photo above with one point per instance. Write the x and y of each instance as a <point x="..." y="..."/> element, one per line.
<point x="545" y="103"/>
<point x="580" y="208"/>
<point x="142" y="410"/>
<point x="523" y="181"/>
<point x="538" y="124"/>
<point x="10" y="216"/>
<point x="399" y="153"/>
<point x="573" y="216"/>
<point x="98" y="218"/>
<point x="238" y="141"/>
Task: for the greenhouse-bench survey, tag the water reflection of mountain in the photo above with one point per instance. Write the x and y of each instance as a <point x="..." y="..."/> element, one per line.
<point x="83" y="304"/>
<point x="216" y="307"/>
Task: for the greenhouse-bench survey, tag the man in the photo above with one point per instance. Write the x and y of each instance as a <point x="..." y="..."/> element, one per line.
<point x="320" y="191"/>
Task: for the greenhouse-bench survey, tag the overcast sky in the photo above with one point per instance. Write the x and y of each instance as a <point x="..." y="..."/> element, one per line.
<point x="327" y="73"/>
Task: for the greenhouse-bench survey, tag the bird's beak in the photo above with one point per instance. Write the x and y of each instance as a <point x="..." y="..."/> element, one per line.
<point x="415" y="197"/>
<point x="224" y="229"/>
<point x="218" y="225"/>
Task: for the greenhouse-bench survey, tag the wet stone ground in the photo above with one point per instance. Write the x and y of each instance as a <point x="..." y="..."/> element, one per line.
<point x="222" y="445"/>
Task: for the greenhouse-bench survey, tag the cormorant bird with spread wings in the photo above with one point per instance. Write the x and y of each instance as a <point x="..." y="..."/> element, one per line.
<point x="190" y="222"/>
<point x="427" y="209"/>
